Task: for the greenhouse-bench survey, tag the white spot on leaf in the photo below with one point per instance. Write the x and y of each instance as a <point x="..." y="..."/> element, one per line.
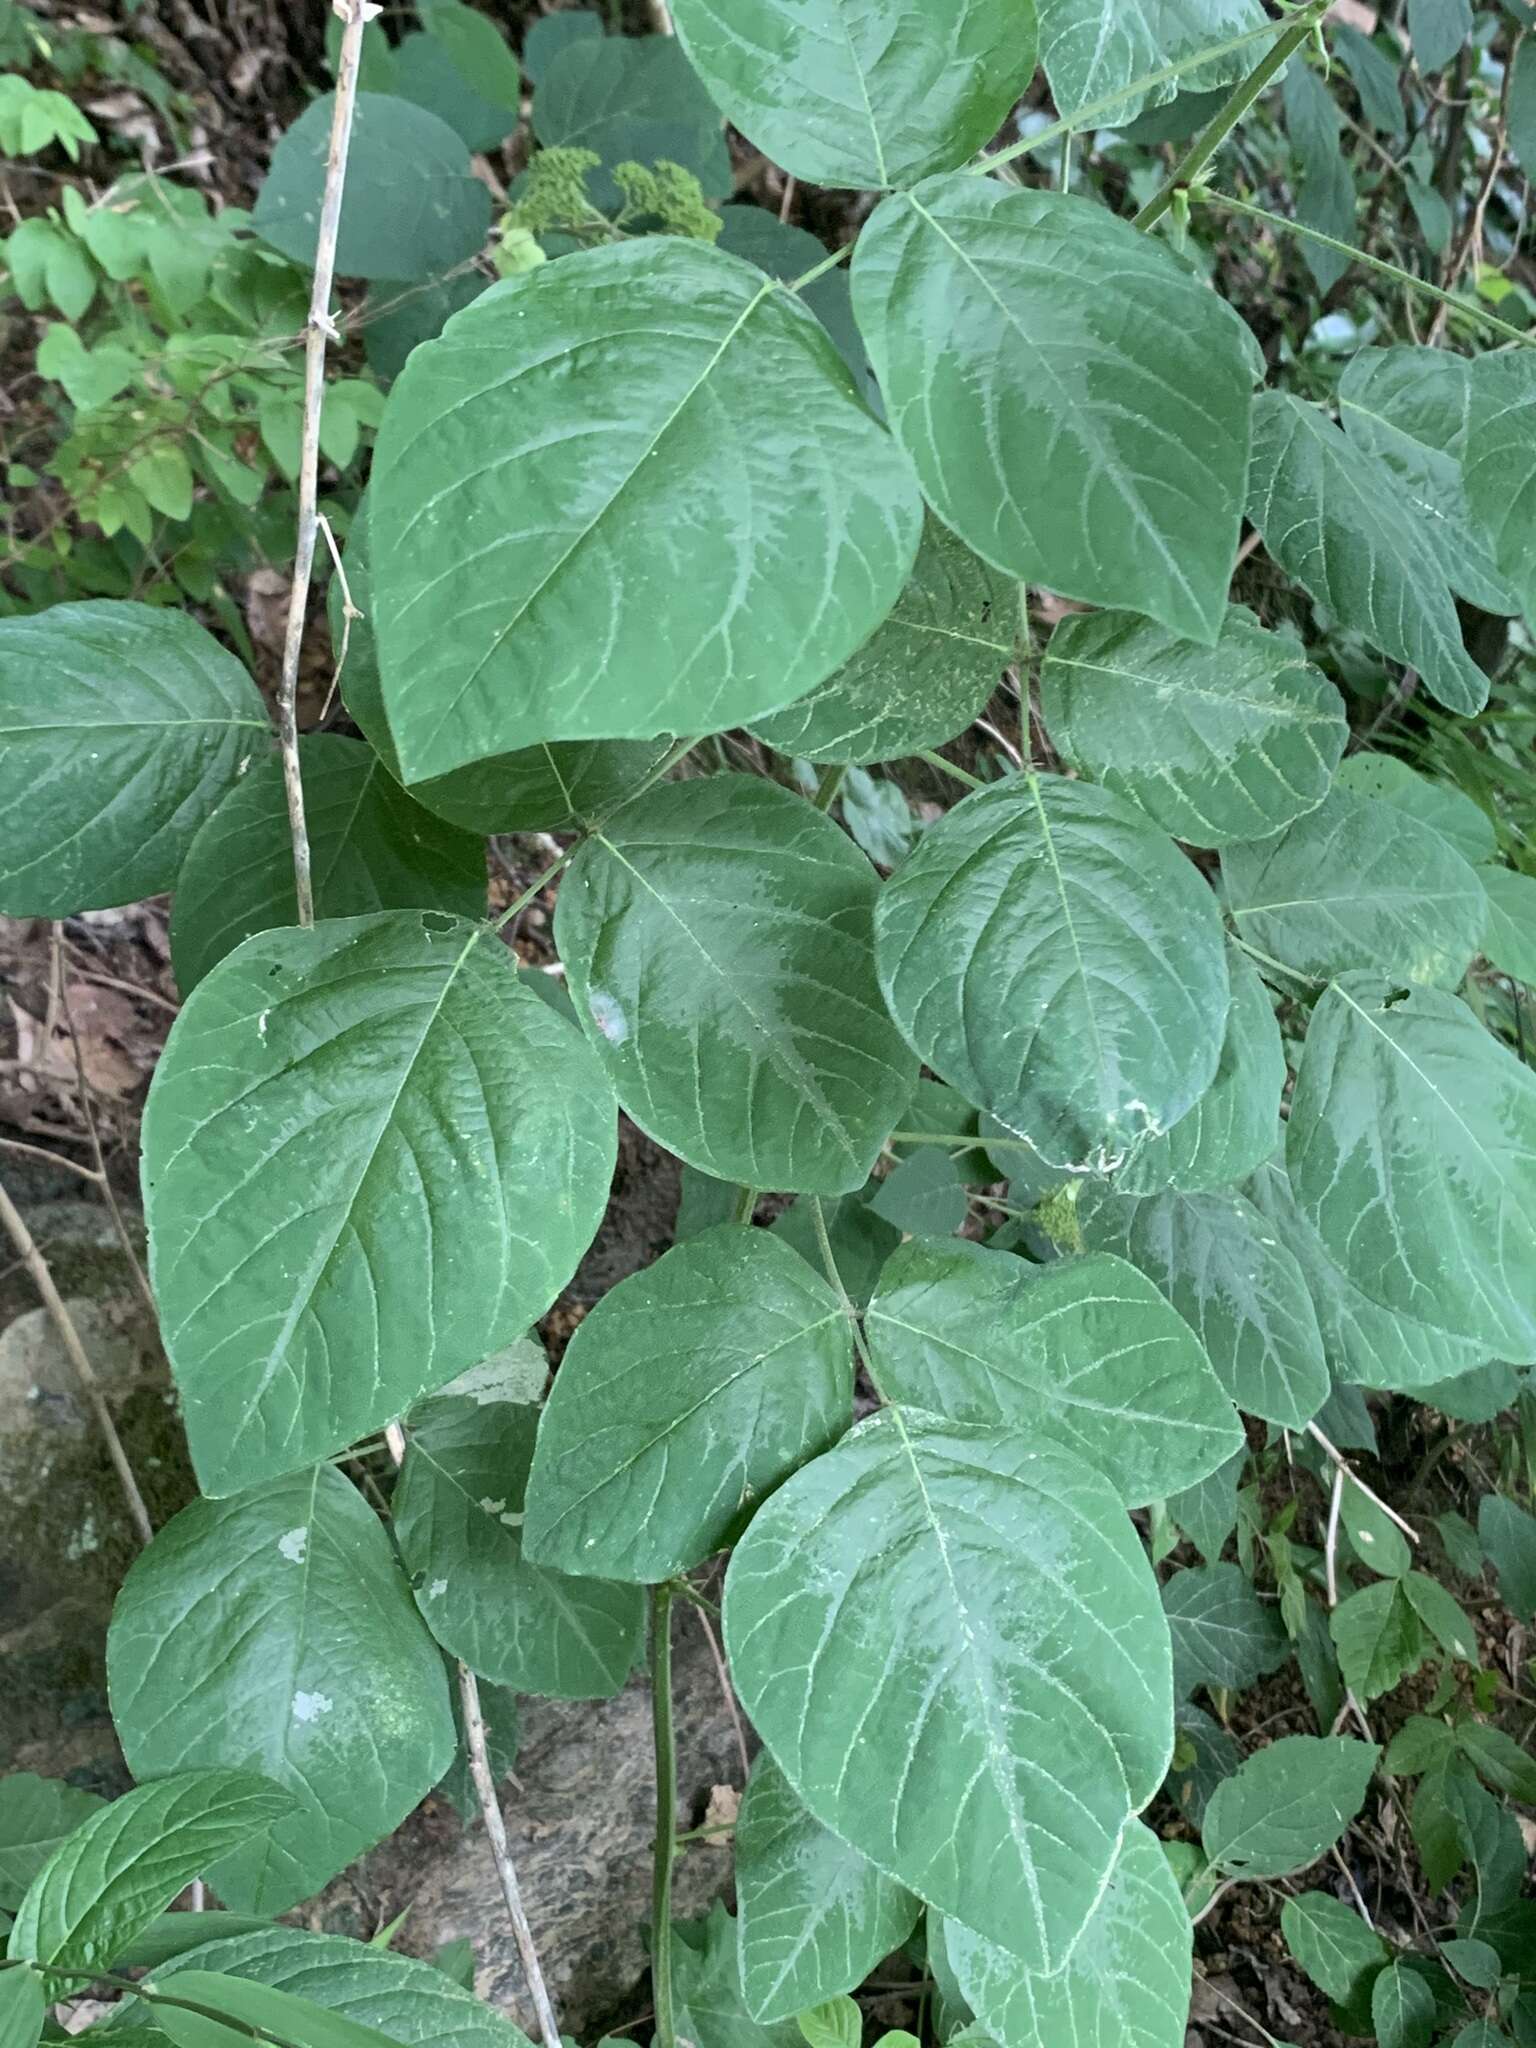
<point x="294" y="1544"/>
<point x="309" y="1706"/>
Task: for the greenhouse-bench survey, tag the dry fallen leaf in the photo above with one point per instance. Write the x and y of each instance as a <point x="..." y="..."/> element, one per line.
<point x="721" y="1812"/>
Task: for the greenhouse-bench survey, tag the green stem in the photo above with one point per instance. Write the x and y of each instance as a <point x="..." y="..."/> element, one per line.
<point x="959" y="1140"/>
<point x="829" y="786"/>
<point x="948" y="768"/>
<point x="1242" y="97"/>
<point x="534" y="888"/>
<point x="746" y="1205"/>
<point x="666" y="1816"/>
<point x="831" y="262"/>
<point x="828" y="1259"/>
<point x="1226" y="203"/>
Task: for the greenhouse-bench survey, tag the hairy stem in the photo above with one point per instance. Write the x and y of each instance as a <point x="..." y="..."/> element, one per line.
<point x="666" y="1816"/>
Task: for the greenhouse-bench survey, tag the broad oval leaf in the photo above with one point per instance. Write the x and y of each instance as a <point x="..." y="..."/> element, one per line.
<point x="371" y="848"/>
<point x="121" y="726"/>
<point x="1123" y="55"/>
<point x="923" y="676"/>
<point x="1288" y="1804"/>
<point x="717" y="941"/>
<point x="1338" y="1950"/>
<point x="630" y="99"/>
<point x="1213" y="743"/>
<point x="1223" y="1634"/>
<point x="1332" y="515"/>
<point x="1085" y="1352"/>
<point x="1411" y="1148"/>
<point x="814" y="1918"/>
<point x="426" y="74"/>
<point x="950" y="1640"/>
<point x="1404" y="2013"/>
<point x="1051" y="953"/>
<point x="123" y="1865"/>
<point x="650" y="416"/>
<point x="690" y="1391"/>
<point x="275" y="1632"/>
<point x="1509" y="941"/>
<point x="458" y="1518"/>
<point x="846" y="92"/>
<point x="1358" y="883"/>
<point x="1440" y="805"/>
<point x="411" y="207"/>
<point x="1501" y="467"/>
<point x="1438" y="29"/>
<point x="35" y="1816"/>
<point x="1128" y="1980"/>
<point x="1075" y="402"/>
<point x="1243" y="1294"/>
<point x="338" y="1112"/>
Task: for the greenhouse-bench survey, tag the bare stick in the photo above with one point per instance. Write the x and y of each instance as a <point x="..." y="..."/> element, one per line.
<point x="1338" y="1458"/>
<point x="355" y="15"/>
<point x="349" y="612"/>
<point x="42" y="1279"/>
<point x="728" y="1691"/>
<point x="495" y="1828"/>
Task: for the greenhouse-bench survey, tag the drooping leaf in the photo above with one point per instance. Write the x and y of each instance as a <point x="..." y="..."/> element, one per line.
<point x="1091" y="52"/>
<point x="411" y="207"/>
<point x="458" y="1516"/>
<point x="35" y="1816"/>
<point x="1509" y="937"/>
<point x="121" y="726"/>
<point x="275" y="1632"/>
<point x="923" y="675"/>
<point x="1378" y="1637"/>
<point x="1500" y="467"/>
<point x="1075" y="402"/>
<point x="1411" y="1148"/>
<point x="1449" y="810"/>
<point x="1358" y="883"/>
<point x="1223" y="1633"/>
<point x="499" y="1713"/>
<point x="1288" y="1804"/>
<point x="1215" y="744"/>
<point x="1239" y="1289"/>
<point x="1338" y="1950"/>
<point x="840" y="93"/>
<point x="125" y="1863"/>
<point x="1128" y="1979"/>
<point x="1085" y="1352"/>
<point x="717" y="940"/>
<point x="371" y="848"/>
<point x="1437" y="30"/>
<point x="1333" y="517"/>
<point x="1050" y="953"/>
<point x="1508" y="1536"/>
<point x="814" y="1918"/>
<point x="738" y="471"/>
<point x="1325" y="184"/>
<point x="989" y="1765"/>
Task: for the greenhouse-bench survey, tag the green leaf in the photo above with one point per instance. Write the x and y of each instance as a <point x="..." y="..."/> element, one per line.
<point x="741" y="471"/>
<point x="1334" y="518"/>
<point x="410" y="209"/>
<point x="499" y="1712"/>
<point x="1207" y="1513"/>
<point x="122" y="726"/>
<point x="1506" y="1764"/>
<point x="379" y="1091"/>
<point x="632" y="98"/>
<point x="1325" y="195"/>
<point x="1451" y="812"/>
<point x="1128" y="1979"/>
<point x="459" y="1513"/>
<point x="1409" y="407"/>
<point x="371" y="848"/>
<point x="814" y="1918"/>
<point x="1358" y="883"/>
<point x="90" y="376"/>
<point x="707" y="1985"/>
<point x="1508" y="1535"/>
<point x="172" y="1935"/>
<point x="1475" y="1963"/>
<point x="1064" y="440"/>
<point x="23" y="2008"/>
<point x="787" y="253"/>
<point x="398" y="318"/>
<point x="162" y="476"/>
<point x="754" y="1046"/>
<point x="861" y="1241"/>
<point x="923" y="1196"/>
<point x="1084" y="1352"/>
<point x="1288" y="1804"/>
<point x="1215" y="744"/>
<point x="1438" y="28"/>
<point x="835" y="2023"/>
<point x="1091" y="52"/>
<point x="1330" y="1941"/>
<point x="1240" y="1290"/>
<point x="1052" y="955"/>
<point x="1378" y="1637"/>
<point x="426" y="74"/>
<point x="102" y="1887"/>
<point x="1501" y="469"/>
<point x="548" y="34"/>
<point x="1421" y="1744"/>
<point x="1509" y="939"/>
<point x="1223" y="1633"/>
<point x="922" y="677"/>
<point x="277" y="2013"/>
<point x="1445" y="1619"/>
<point x="276" y="1632"/>
<point x="1402" y="2008"/>
<point x="988" y="1764"/>
<point x="839" y="93"/>
<point x="1522" y="107"/>
<point x="1411" y="1148"/>
<point x="1461" y="1544"/>
<point x="477" y="47"/>
<point x="1373" y="1536"/>
<point x="1375" y="78"/>
<point x="877" y="816"/>
<point x="35" y="1816"/>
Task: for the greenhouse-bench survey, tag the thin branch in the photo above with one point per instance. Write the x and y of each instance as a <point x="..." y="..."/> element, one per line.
<point x="52" y="1158"/>
<point x="1471" y="238"/>
<point x="728" y="1691"/>
<point x="1349" y="1473"/>
<point x="349" y="612"/>
<point x="666" y="1816"/>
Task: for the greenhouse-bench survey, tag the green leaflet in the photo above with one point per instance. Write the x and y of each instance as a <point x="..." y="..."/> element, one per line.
<point x="1378" y="1638"/>
<point x="1288" y="1804"/>
<point x="1325" y="197"/>
<point x="376" y="1090"/>
<point x="1509" y="939"/>
<point x="280" y="2014"/>
<point x="813" y="1917"/>
<point x="1075" y="403"/>
<point x="989" y="1766"/>
<point x="843" y="92"/>
<point x="1403" y="2008"/>
<point x="476" y="46"/>
<point x="717" y="940"/>
<point x="1091" y="52"/>
<point x="1358" y="884"/>
<point x="1438" y="28"/>
<point x="1223" y="1633"/>
<point x="1052" y="955"/>
<point x="1240" y="1290"/>
<point x="35" y="1816"/>
<point x="711" y="1998"/>
<point x="1214" y="743"/>
<point x="1501" y="467"/>
<point x="1450" y="811"/>
<point x="1128" y="1980"/>
<point x="630" y="99"/>
<point x="426" y="74"/>
<point x="1332" y="515"/>
<point x="121" y="726"/>
<point x="1411" y="1148"/>
<point x="734" y="468"/>
<point x="1331" y="1942"/>
<point x="371" y="848"/>
<point x="922" y="676"/>
<point x="276" y="1632"/>
<point x="1508" y="1536"/>
<point x="1084" y="1352"/>
<point x="458" y="1518"/>
<point x="691" y="1390"/>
